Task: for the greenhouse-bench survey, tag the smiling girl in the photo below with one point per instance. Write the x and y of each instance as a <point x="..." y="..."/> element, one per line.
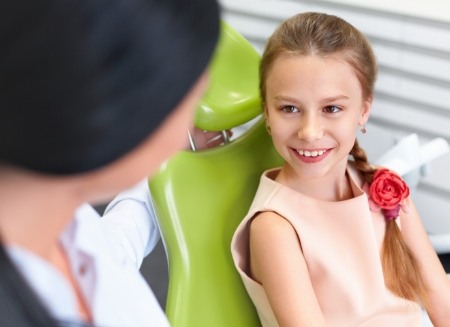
<point x="329" y="240"/>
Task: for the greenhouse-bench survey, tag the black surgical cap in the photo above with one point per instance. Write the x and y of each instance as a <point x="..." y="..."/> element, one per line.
<point x="82" y="82"/>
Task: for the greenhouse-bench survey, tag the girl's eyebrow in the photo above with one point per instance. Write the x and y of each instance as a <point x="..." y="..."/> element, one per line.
<point x="335" y="98"/>
<point x="324" y="100"/>
<point x="285" y="98"/>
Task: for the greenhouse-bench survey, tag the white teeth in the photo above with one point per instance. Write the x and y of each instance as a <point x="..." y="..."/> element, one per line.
<point x="311" y="153"/>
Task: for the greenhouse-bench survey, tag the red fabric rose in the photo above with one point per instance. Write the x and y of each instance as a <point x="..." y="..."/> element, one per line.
<point x="387" y="191"/>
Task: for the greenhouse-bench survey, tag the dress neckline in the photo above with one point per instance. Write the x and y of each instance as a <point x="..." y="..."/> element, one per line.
<point x="351" y="172"/>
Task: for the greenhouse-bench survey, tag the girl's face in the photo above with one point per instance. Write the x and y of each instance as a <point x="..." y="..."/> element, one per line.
<point x="313" y="107"/>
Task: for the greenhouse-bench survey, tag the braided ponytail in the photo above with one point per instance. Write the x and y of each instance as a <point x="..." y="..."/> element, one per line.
<point x="362" y="163"/>
<point x="400" y="267"/>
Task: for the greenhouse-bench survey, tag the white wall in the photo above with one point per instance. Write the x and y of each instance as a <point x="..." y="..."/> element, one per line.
<point x="413" y="87"/>
<point x="436" y="10"/>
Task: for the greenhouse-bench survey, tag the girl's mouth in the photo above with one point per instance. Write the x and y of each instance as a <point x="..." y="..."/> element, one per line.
<point x="314" y="153"/>
<point x="311" y="156"/>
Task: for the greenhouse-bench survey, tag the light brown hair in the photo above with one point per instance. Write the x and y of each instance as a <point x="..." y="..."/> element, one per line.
<point x="325" y="36"/>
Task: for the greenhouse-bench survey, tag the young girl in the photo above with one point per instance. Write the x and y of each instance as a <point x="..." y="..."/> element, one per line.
<point x="330" y="241"/>
<point x="94" y="96"/>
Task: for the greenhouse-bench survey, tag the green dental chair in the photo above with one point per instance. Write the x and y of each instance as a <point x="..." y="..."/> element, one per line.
<point x="200" y="197"/>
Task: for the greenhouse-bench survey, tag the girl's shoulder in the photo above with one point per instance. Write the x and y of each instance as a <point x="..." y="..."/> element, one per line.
<point x="268" y="219"/>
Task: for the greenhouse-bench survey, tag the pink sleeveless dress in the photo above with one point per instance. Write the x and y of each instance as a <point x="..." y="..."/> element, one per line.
<point x="341" y="243"/>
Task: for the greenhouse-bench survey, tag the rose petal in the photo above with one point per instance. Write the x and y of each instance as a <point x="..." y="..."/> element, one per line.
<point x="373" y="206"/>
<point x="404" y="205"/>
<point x="387" y="189"/>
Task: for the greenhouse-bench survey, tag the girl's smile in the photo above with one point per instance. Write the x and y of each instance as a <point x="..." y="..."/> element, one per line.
<point x="312" y="155"/>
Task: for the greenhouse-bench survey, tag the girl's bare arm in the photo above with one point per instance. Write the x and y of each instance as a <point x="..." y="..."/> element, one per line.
<point x="277" y="263"/>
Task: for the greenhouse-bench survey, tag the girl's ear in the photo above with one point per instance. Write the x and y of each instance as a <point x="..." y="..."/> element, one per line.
<point x="365" y="113"/>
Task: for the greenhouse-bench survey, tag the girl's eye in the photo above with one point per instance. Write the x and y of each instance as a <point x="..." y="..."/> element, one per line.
<point x="290" y="109"/>
<point x="332" y="109"/>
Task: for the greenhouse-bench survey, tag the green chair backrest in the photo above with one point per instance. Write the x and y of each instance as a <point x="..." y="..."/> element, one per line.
<point x="232" y="97"/>
<point x="201" y="197"/>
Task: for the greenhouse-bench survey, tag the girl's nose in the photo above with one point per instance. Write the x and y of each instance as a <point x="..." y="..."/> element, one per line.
<point x="310" y="128"/>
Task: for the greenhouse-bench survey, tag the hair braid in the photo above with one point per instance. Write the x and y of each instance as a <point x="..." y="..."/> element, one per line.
<point x="400" y="268"/>
<point x="362" y="163"/>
